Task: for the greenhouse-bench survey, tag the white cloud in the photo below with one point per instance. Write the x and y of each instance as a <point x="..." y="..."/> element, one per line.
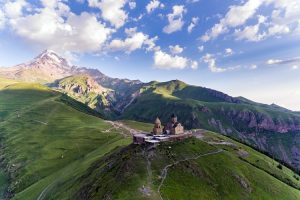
<point x="192" y="1"/>
<point x="132" y="5"/>
<point x="211" y="61"/>
<point x="194" y="64"/>
<point x="272" y="61"/>
<point x="14" y="9"/>
<point x="193" y="24"/>
<point x="50" y="3"/>
<point x="201" y="48"/>
<point x="278" y="29"/>
<point x="236" y="16"/>
<point x="284" y="19"/>
<point x="295" y="67"/>
<point x="283" y="62"/>
<point x="135" y="40"/>
<point x="253" y="67"/>
<point x="229" y="52"/>
<point x="136" y="19"/>
<point x="175" y="49"/>
<point x="154" y="4"/>
<point x="175" y="19"/>
<point x="2" y="19"/>
<point x="163" y="60"/>
<point x="112" y="11"/>
<point x="55" y="27"/>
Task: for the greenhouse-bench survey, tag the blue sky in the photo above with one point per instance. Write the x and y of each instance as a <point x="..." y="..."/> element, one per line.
<point x="244" y="48"/>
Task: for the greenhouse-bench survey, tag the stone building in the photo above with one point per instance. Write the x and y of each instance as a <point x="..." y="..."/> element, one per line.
<point x="157" y="130"/>
<point x="173" y="127"/>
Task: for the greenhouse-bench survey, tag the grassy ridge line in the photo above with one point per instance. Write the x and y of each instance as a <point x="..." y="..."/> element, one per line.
<point x="220" y="176"/>
<point x="258" y="160"/>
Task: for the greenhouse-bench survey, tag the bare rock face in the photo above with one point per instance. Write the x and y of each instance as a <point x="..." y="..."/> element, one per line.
<point x="261" y="121"/>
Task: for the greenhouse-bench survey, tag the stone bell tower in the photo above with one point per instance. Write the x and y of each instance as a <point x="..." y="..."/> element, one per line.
<point x="157" y="130"/>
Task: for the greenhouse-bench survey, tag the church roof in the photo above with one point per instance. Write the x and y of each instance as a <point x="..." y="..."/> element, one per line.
<point x="173" y="115"/>
<point x="157" y="121"/>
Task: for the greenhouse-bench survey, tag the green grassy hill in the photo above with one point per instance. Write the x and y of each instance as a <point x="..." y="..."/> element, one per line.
<point x="53" y="147"/>
<point x="194" y="169"/>
<point x="46" y="137"/>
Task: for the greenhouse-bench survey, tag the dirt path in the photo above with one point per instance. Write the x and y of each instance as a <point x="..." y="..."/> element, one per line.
<point x="44" y="123"/>
<point x="43" y="193"/>
<point x="120" y="125"/>
<point x="165" y="169"/>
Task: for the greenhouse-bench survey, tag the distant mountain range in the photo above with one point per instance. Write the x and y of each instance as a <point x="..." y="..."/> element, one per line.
<point x="269" y="128"/>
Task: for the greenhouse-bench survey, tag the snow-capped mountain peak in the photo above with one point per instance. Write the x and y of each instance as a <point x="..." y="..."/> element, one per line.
<point x="51" y="57"/>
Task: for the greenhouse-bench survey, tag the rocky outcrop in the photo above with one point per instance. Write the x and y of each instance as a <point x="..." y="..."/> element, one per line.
<point x="258" y="120"/>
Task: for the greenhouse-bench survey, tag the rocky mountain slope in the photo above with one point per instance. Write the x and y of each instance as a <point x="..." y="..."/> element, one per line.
<point x="85" y="89"/>
<point x="53" y="147"/>
<point x="269" y="128"/>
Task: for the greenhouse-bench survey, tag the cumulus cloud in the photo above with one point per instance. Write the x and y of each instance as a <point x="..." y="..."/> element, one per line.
<point x="251" y="33"/>
<point x="175" y="19"/>
<point x="211" y="61"/>
<point x="135" y="40"/>
<point x="14" y="9"/>
<point x="154" y="4"/>
<point x="278" y="29"/>
<point x="193" y="24"/>
<point x="55" y="27"/>
<point x="175" y="49"/>
<point x="236" y="16"/>
<point x="284" y="17"/>
<point x="111" y="10"/>
<point x="164" y="60"/>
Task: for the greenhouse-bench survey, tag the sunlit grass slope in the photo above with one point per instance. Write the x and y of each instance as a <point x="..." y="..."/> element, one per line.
<point x="47" y="139"/>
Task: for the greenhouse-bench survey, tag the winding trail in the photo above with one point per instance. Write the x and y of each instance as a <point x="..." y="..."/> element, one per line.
<point x="44" y="123"/>
<point x="165" y="169"/>
<point x="43" y="193"/>
<point x="120" y="125"/>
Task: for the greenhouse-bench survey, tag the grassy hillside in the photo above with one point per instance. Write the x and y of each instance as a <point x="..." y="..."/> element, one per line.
<point x="266" y="127"/>
<point x="194" y="169"/>
<point x="46" y="138"/>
